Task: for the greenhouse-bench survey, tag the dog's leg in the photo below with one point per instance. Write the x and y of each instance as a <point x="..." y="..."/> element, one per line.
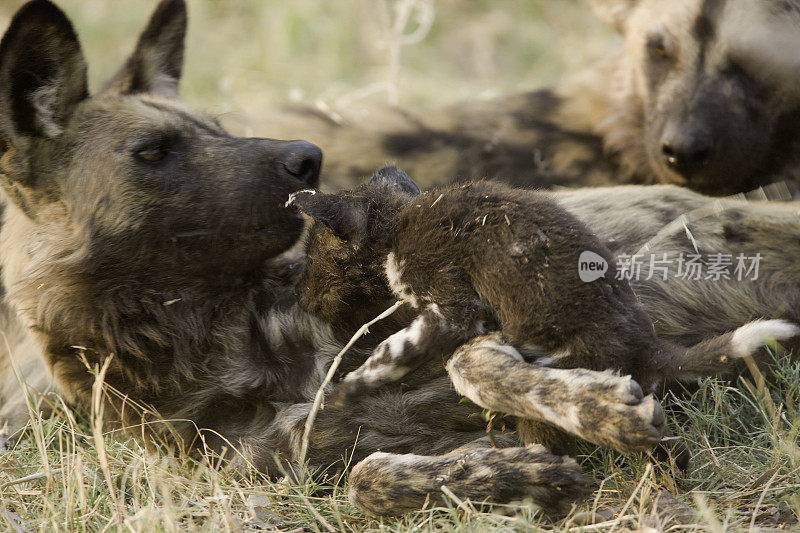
<point x="426" y="418"/>
<point x="389" y="484"/>
<point x="548" y="435"/>
<point x="601" y="407"/>
<point x="430" y="335"/>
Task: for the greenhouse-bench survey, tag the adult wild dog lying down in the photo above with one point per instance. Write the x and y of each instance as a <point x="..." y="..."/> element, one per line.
<point x="139" y="235"/>
<point x="480" y="258"/>
<point x="670" y="223"/>
<point x="135" y="226"/>
<point x="704" y="94"/>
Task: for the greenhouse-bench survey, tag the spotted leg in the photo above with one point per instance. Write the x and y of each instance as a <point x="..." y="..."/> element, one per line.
<point x="601" y="407"/>
<point x="432" y="334"/>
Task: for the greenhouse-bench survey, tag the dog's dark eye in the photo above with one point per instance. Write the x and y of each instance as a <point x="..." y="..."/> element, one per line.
<point x="734" y="69"/>
<point x="152" y="155"/>
<point x="657" y="48"/>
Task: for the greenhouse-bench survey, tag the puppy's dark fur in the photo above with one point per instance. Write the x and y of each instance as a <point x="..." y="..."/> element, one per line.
<point x="484" y="257"/>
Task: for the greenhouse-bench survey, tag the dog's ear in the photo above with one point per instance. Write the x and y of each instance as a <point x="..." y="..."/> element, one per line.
<point x="156" y="64"/>
<point x="347" y="218"/>
<point x="393" y="176"/>
<point x="614" y="13"/>
<point x="42" y="75"/>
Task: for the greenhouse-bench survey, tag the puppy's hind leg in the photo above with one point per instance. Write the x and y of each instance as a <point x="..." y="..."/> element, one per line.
<point x="548" y="435"/>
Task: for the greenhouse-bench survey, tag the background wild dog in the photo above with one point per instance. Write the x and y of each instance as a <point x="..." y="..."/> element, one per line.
<point x="704" y="94"/>
<point x="707" y="92"/>
<point x="642" y="220"/>
<point x="483" y="257"/>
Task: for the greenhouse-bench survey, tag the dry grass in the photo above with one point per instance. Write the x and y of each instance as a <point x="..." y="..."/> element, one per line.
<point x="71" y="474"/>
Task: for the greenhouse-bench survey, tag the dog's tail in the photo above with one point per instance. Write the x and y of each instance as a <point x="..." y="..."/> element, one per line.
<point x="717" y="355"/>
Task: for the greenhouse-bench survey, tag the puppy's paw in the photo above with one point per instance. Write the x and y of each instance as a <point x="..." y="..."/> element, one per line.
<point x="346" y="392"/>
<point x="619" y="416"/>
<point x="674" y="450"/>
<point x="338" y="398"/>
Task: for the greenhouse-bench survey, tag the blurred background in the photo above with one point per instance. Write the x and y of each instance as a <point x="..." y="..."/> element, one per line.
<point x="251" y="55"/>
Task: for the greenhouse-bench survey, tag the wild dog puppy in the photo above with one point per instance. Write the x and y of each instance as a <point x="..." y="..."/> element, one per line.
<point x="482" y="257"/>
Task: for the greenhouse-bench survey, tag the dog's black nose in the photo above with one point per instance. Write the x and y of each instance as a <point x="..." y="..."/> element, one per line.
<point x="687" y="153"/>
<point x="303" y="160"/>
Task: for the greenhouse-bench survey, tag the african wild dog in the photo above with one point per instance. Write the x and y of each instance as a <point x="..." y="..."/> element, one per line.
<point x="708" y="94"/>
<point x="482" y="257"/>
<point x="138" y="230"/>
<point x="650" y="220"/>
<point x="705" y="94"/>
<point x="92" y="257"/>
<point x="125" y="211"/>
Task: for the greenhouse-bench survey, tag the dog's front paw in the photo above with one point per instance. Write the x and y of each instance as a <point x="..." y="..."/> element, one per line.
<point x="618" y="415"/>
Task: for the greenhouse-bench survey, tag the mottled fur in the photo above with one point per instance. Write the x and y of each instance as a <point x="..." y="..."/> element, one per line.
<point x="552" y="481"/>
<point x="686" y="311"/>
<point x="91" y="259"/>
<point x="137" y="229"/>
<point x="484" y="257"/>
<point x="704" y="94"/>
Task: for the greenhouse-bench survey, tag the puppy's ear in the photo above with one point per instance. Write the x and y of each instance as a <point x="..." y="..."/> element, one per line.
<point x="347" y="219"/>
<point x="393" y="176"/>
